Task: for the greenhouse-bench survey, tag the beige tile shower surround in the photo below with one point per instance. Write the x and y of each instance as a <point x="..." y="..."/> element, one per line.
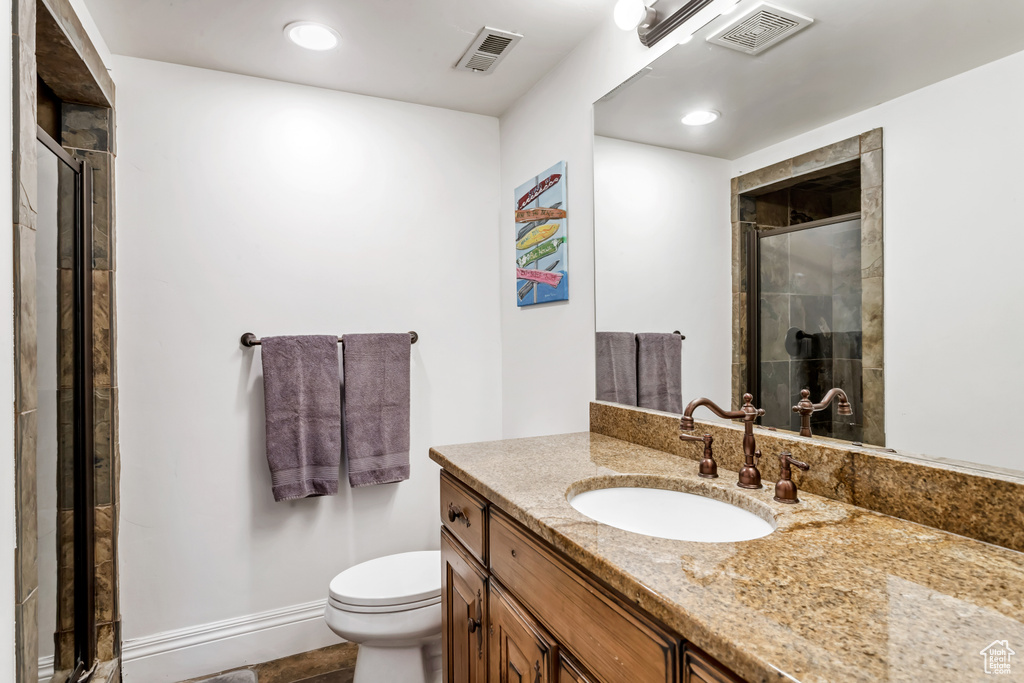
<point x="868" y="148"/>
<point x="71" y="65"/>
<point x="837" y="593"/>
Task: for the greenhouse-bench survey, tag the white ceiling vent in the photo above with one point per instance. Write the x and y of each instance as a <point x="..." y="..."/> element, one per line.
<point x="488" y="49"/>
<point x="762" y="27"/>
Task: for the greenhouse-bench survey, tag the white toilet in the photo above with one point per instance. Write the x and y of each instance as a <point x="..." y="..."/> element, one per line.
<point x="391" y="607"/>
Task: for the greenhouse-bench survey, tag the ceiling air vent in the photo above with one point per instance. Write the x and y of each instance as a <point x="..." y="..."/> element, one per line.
<point x="762" y="27"/>
<point x="488" y="49"/>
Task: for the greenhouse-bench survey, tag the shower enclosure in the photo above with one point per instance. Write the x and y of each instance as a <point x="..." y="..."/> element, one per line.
<point x="805" y="321"/>
<point x="64" y="445"/>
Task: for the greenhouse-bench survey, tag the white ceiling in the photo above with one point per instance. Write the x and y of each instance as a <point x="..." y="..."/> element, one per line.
<point x="396" y="49"/>
<point x="857" y="54"/>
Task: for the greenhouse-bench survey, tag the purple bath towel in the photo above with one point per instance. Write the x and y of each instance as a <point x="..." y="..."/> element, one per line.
<point x="303" y="405"/>
<point x="616" y="367"/>
<point x="377" y="408"/>
<point x="659" y="371"/>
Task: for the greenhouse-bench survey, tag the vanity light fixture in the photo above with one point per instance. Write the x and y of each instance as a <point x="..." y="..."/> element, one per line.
<point x="701" y="118"/>
<point x="312" y="36"/>
<point x="634" y="14"/>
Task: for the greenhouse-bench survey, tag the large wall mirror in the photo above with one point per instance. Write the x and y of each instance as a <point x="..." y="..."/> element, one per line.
<point x="842" y="219"/>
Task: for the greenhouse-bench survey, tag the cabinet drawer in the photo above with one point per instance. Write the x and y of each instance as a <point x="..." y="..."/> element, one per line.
<point x="699" y="668"/>
<point x="615" y="643"/>
<point x="465" y="515"/>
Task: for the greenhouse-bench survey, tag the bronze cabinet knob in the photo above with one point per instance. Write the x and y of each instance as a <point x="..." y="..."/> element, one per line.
<point x="474" y="624"/>
<point x="455" y="512"/>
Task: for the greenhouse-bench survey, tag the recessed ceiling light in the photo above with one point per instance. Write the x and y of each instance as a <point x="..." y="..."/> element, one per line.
<point x="700" y="118"/>
<point x="311" y="35"/>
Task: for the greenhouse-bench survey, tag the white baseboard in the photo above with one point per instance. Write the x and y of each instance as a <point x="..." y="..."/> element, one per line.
<point x="45" y="669"/>
<point x="208" y="648"/>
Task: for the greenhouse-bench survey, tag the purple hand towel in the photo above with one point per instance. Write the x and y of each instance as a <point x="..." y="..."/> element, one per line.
<point x="377" y="408"/>
<point x="303" y="400"/>
<point x="659" y="371"/>
<point x="616" y="367"/>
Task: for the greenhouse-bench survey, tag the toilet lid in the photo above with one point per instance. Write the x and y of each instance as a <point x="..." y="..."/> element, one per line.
<point x="390" y="580"/>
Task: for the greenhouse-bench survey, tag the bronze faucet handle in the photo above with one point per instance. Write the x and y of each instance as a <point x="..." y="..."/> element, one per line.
<point x="786" y="459"/>
<point x="785" y="487"/>
<point x="708" y="466"/>
<point x="804" y="405"/>
<point x="748" y="407"/>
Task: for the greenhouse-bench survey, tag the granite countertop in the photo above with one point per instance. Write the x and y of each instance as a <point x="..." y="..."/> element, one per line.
<point x="836" y="593"/>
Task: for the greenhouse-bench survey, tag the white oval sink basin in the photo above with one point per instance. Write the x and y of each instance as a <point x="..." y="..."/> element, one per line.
<point x="671" y="514"/>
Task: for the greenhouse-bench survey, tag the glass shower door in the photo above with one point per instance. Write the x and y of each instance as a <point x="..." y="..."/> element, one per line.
<point x="808" y="323"/>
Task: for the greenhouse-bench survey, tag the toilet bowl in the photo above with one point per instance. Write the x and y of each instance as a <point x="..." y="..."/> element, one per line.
<point x="391" y="608"/>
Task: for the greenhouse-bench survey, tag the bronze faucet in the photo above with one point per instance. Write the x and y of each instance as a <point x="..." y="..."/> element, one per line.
<point x="708" y="467"/>
<point x="805" y="408"/>
<point x="785" y="487"/>
<point x="750" y="477"/>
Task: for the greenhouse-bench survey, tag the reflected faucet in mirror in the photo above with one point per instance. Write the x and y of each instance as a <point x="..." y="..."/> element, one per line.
<point x="805" y="408"/>
<point x="750" y="477"/>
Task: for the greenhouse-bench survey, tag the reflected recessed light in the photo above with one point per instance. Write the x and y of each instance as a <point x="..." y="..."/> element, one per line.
<point x="311" y="35"/>
<point x="685" y="39"/>
<point x="700" y="118"/>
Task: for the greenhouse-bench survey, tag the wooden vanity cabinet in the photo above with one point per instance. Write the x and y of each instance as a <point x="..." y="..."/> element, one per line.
<point x="463" y="615"/>
<point x="521" y="651"/>
<point x="517" y="611"/>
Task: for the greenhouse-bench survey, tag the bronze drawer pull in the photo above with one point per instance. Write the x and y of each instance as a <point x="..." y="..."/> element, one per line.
<point x="455" y="512"/>
<point x="513" y="552"/>
<point x="474" y="624"/>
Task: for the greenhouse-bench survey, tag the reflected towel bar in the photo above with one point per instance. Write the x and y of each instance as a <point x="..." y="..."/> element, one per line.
<point x="249" y="339"/>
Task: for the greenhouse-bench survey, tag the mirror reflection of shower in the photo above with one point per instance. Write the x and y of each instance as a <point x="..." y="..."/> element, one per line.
<point x="808" y="290"/>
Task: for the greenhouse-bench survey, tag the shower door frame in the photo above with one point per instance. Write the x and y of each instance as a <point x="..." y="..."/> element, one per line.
<point x="83" y="438"/>
<point x="754" y="238"/>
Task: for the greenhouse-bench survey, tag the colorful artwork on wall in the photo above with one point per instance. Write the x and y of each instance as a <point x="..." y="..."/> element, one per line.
<point x="542" y="269"/>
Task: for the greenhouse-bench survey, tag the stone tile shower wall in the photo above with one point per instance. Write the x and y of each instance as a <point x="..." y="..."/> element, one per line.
<point x="746" y="215"/>
<point x="70" y="64"/>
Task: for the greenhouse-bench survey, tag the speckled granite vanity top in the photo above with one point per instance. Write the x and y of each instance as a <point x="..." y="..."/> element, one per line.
<point x="836" y="593"/>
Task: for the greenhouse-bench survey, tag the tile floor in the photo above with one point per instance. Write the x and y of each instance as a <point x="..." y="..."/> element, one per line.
<point x="335" y="664"/>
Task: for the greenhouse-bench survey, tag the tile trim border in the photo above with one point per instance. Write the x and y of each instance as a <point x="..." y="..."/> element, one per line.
<point x="77" y="48"/>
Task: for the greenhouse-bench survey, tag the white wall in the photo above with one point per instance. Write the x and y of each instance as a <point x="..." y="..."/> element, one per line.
<point x="7" y="509"/>
<point x="548" y="351"/>
<point x="953" y="311"/>
<point x="663" y="252"/>
<point x="252" y="205"/>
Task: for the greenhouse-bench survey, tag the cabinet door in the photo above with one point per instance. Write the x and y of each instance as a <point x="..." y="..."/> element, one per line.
<point x="521" y="652"/>
<point x="463" y="630"/>
<point x="700" y="668"/>
<point x="570" y="672"/>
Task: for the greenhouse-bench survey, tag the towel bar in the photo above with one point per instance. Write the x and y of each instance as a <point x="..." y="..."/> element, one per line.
<point x="249" y="339"/>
